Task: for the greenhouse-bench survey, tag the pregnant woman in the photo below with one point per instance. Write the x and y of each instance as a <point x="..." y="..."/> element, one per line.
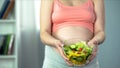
<point x="62" y="20"/>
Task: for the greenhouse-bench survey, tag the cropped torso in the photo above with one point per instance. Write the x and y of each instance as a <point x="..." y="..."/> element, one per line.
<point x="73" y="21"/>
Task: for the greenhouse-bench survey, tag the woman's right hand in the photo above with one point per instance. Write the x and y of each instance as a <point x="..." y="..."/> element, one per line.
<point x="59" y="46"/>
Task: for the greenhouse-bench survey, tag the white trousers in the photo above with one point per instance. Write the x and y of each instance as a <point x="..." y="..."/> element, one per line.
<point x="53" y="60"/>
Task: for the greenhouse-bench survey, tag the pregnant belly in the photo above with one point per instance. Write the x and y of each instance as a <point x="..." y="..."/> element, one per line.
<point x="70" y="32"/>
<point x="73" y="32"/>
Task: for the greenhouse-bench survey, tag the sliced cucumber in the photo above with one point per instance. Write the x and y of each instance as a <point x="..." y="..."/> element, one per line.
<point x="79" y="59"/>
<point x="72" y="46"/>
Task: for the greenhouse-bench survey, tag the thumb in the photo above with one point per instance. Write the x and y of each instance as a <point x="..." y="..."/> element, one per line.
<point x="62" y="54"/>
<point x="60" y="49"/>
<point x="90" y="44"/>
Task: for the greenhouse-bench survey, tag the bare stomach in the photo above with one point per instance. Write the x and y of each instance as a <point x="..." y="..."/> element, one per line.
<point x="72" y="32"/>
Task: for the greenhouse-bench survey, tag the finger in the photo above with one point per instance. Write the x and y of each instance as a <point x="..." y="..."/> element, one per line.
<point x="59" y="43"/>
<point x="94" y="53"/>
<point x="92" y="56"/>
<point x="95" y="48"/>
<point x="59" y="46"/>
<point x="90" y="44"/>
<point x="62" y="53"/>
<point x="69" y="63"/>
<point x="62" y="45"/>
<point x="96" y="42"/>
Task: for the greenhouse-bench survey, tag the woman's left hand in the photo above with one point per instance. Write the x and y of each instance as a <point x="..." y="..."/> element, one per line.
<point x="94" y="44"/>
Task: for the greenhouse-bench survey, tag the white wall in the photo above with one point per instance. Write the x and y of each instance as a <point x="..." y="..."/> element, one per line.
<point x="109" y="55"/>
<point x="37" y="20"/>
<point x="37" y="13"/>
<point x="30" y="54"/>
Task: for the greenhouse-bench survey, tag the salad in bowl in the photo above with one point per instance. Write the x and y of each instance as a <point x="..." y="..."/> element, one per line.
<point x="77" y="52"/>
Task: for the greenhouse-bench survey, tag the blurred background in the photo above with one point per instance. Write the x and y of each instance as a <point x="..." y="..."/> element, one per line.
<point x="31" y="50"/>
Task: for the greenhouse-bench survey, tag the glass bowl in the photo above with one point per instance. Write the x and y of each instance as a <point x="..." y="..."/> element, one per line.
<point x="77" y="51"/>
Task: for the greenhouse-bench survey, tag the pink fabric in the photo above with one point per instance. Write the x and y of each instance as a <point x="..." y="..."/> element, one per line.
<point x="82" y="15"/>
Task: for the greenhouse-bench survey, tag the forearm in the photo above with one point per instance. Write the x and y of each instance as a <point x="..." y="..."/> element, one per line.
<point x="48" y="39"/>
<point x="99" y="37"/>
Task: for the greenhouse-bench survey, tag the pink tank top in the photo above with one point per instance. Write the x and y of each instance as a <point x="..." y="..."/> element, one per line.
<point x="82" y="15"/>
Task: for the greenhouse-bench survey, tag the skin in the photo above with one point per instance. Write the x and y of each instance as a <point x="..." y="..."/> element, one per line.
<point x="56" y="39"/>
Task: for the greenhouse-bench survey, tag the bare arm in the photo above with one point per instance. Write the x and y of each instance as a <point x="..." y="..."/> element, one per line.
<point x="99" y="34"/>
<point x="45" y="28"/>
<point x="45" y="23"/>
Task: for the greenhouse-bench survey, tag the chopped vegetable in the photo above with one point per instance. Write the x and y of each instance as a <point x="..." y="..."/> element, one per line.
<point x="72" y="46"/>
<point x="78" y="53"/>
